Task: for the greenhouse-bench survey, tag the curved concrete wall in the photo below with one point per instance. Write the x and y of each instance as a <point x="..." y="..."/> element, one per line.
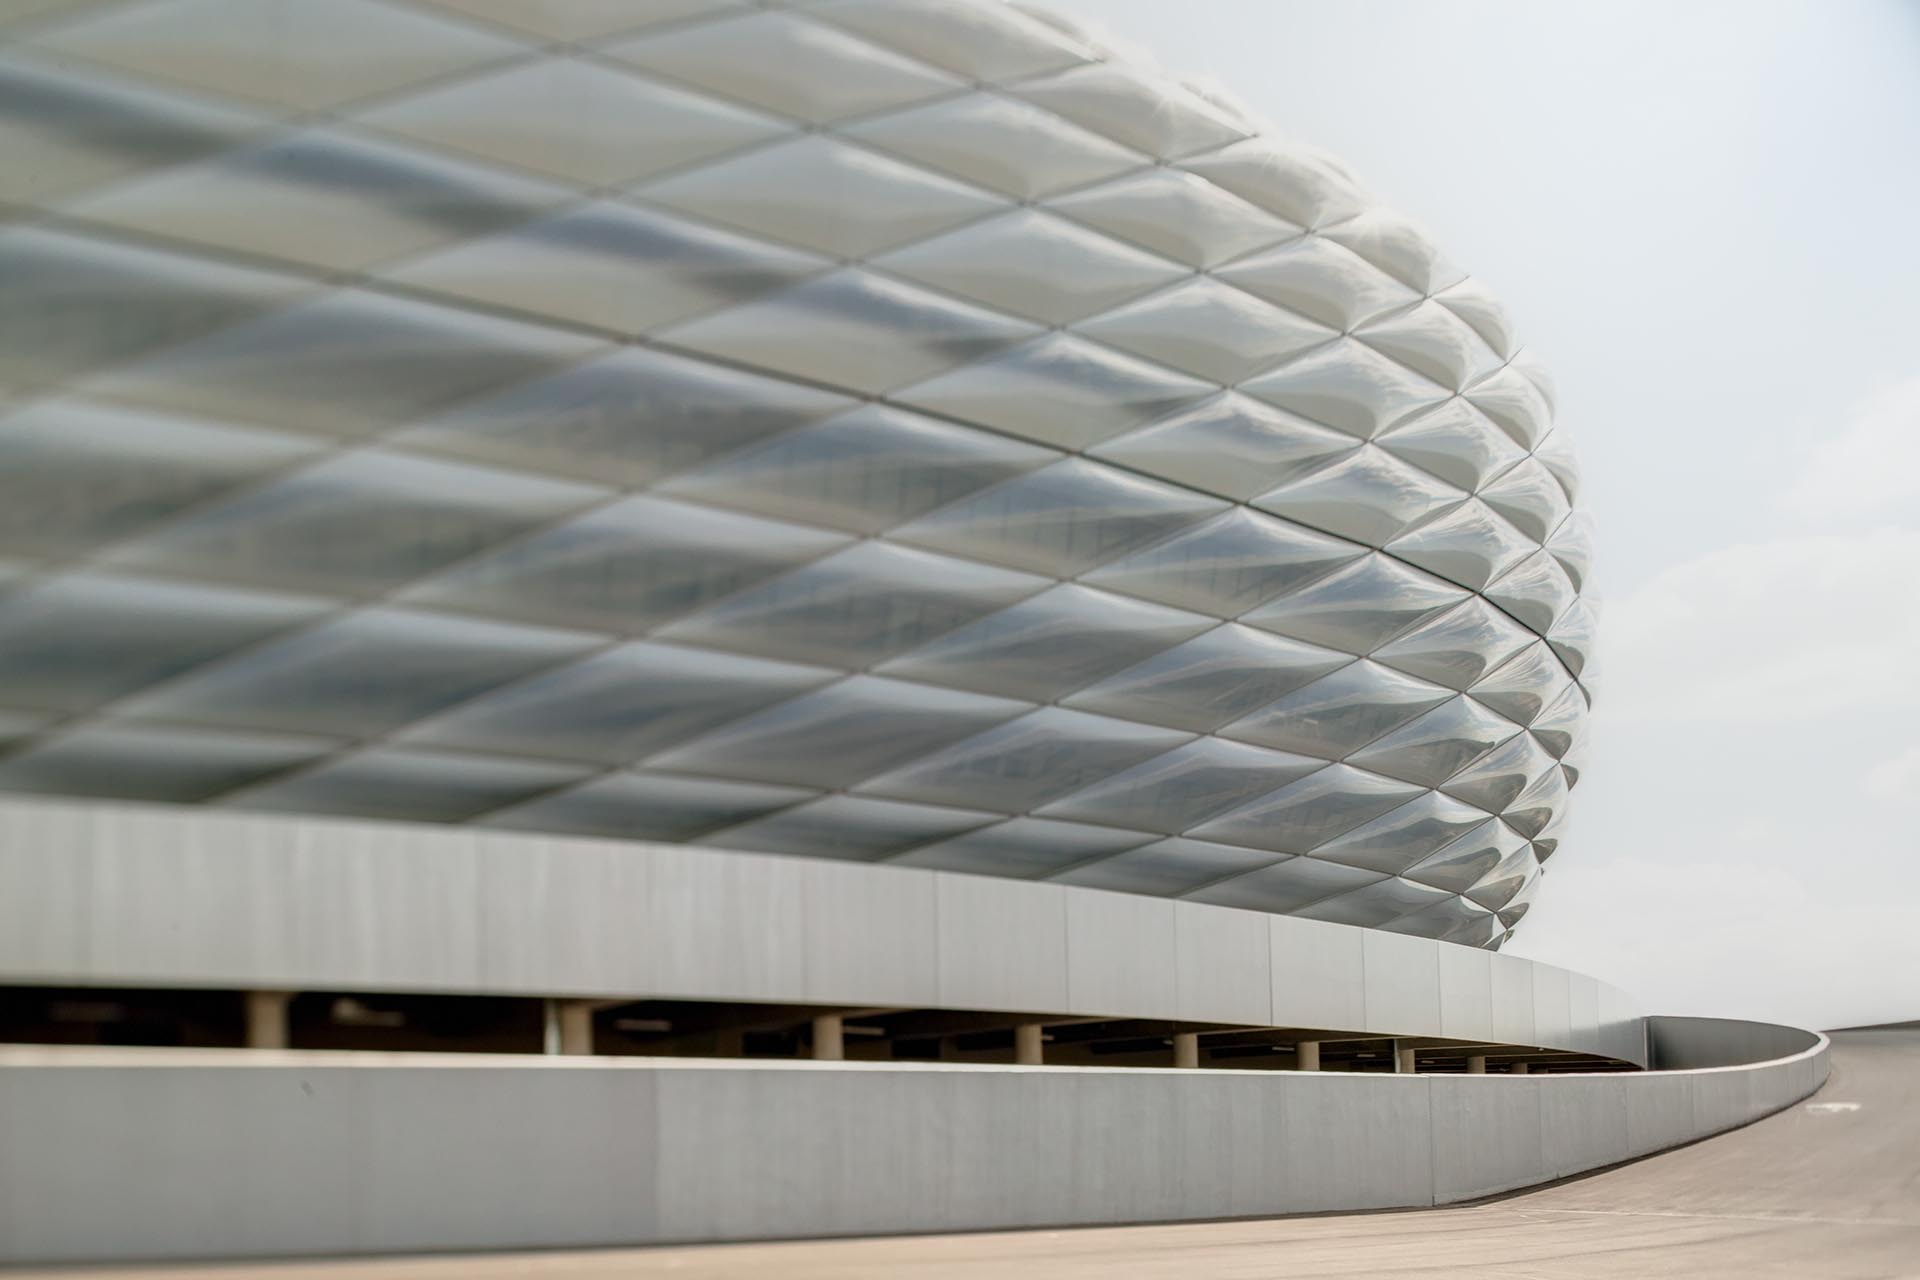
<point x="131" y="895"/>
<point x="230" y="1154"/>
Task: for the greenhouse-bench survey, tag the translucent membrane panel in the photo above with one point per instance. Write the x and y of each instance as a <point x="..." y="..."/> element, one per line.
<point x="1369" y="497"/>
<point x="570" y="20"/>
<point x="857" y="607"/>
<point x="1530" y="498"/>
<point x="1176" y="215"/>
<point x="612" y="266"/>
<point x="1228" y="565"/>
<point x="1555" y="453"/>
<point x="1184" y="787"/>
<point x="620" y="705"/>
<point x="984" y="42"/>
<point x="73" y="304"/>
<point x="179" y="766"/>
<point x="1320" y="280"/>
<point x="626" y="419"/>
<point x="1147" y="114"/>
<point x="1049" y="645"/>
<point x="1522" y="686"/>
<point x="1062" y="519"/>
<point x="1020" y="765"/>
<point x="74" y="476"/>
<point x="1501" y="776"/>
<point x="1399" y="248"/>
<point x="1449" y="920"/>
<point x="1166" y="868"/>
<point x="1572" y="545"/>
<point x="865" y="470"/>
<point x="1024" y="849"/>
<point x="1373" y="905"/>
<point x="1515" y="403"/>
<point x="1473" y="303"/>
<point x="1432" y="340"/>
<point x="1032" y="264"/>
<point x="1211" y="679"/>
<point x="324" y="199"/>
<point x="1403" y="837"/>
<point x="1229" y="444"/>
<point x="1284" y="887"/>
<point x="1514" y="872"/>
<point x="1340" y="713"/>
<point x="356" y="524"/>
<point x="823" y="194"/>
<point x="1359" y="608"/>
<point x="1456" y="442"/>
<point x="62" y="132"/>
<point x="786" y="63"/>
<point x="836" y="736"/>
<point x="1303" y="187"/>
<point x="1210" y="329"/>
<point x="1438" y="745"/>
<point x="644" y="806"/>
<point x="1349" y="387"/>
<point x="73" y="642"/>
<point x="628" y="566"/>
<point x="415" y="786"/>
<point x="291" y="54"/>
<point x="967" y="137"/>
<point x="349" y="364"/>
<point x="1461" y="864"/>
<point x="574" y="119"/>
<point x="1456" y="648"/>
<point x="1562" y="724"/>
<point x="1059" y="391"/>
<point x="1572" y="637"/>
<point x="1309" y="812"/>
<point x="854" y="329"/>
<point x="847" y="827"/>
<point x="362" y="674"/>
<point x="1469" y="545"/>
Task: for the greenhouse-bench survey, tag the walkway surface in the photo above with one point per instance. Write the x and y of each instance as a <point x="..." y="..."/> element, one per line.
<point x="1828" y="1188"/>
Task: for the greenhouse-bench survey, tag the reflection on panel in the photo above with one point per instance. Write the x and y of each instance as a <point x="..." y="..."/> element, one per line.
<point x="861" y="431"/>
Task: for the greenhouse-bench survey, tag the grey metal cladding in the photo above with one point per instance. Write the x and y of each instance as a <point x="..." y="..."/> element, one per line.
<point x="854" y="429"/>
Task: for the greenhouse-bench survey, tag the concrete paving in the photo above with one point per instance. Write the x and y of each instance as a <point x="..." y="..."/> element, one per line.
<point x="1827" y="1189"/>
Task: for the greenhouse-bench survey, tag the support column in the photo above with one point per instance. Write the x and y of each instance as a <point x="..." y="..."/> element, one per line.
<point x="1307" y="1056"/>
<point x="829" y="1038"/>
<point x="1027" y="1041"/>
<point x="575" y="1018"/>
<point x="1518" y="1069"/>
<point x="1186" y="1050"/>
<point x="267" y="1019"/>
<point x="1476" y="1064"/>
<point x="1404" y="1062"/>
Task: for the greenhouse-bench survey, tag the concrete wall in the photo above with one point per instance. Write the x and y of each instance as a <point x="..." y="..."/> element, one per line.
<point x="231" y="1154"/>
<point x="1676" y="1044"/>
<point x="135" y="895"/>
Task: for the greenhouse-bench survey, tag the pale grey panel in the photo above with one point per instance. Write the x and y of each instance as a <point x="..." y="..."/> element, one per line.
<point x="1513" y="1020"/>
<point x="1318" y="976"/>
<point x="1466" y="993"/>
<point x="1659" y="1111"/>
<point x="1552" y="1007"/>
<point x="1026" y="968"/>
<point x="1225" y="964"/>
<point x="869" y="936"/>
<point x="46" y="908"/>
<point x="1121" y="954"/>
<point x="1403" y="983"/>
<point x="1373" y="1136"/>
<point x="566" y="922"/>
<point x="1583" y="1013"/>
<point x="1583" y="1123"/>
<point x="756" y="944"/>
<point x="1487" y="1135"/>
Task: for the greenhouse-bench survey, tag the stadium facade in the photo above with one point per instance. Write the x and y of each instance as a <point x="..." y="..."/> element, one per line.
<point x="877" y="531"/>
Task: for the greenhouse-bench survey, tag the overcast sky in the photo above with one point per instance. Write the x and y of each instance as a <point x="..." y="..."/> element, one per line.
<point x="1706" y="218"/>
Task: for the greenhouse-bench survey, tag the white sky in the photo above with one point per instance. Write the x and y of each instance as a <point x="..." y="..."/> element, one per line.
<point x="1706" y="218"/>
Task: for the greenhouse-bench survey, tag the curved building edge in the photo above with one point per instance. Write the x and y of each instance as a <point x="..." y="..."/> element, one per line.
<point x="124" y="895"/>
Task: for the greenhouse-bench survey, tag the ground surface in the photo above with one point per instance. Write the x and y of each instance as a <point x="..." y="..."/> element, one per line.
<point x="1828" y="1188"/>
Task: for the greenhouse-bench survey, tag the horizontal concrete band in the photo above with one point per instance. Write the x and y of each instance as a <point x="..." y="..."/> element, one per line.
<point x="281" y="1154"/>
<point x="135" y="895"/>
